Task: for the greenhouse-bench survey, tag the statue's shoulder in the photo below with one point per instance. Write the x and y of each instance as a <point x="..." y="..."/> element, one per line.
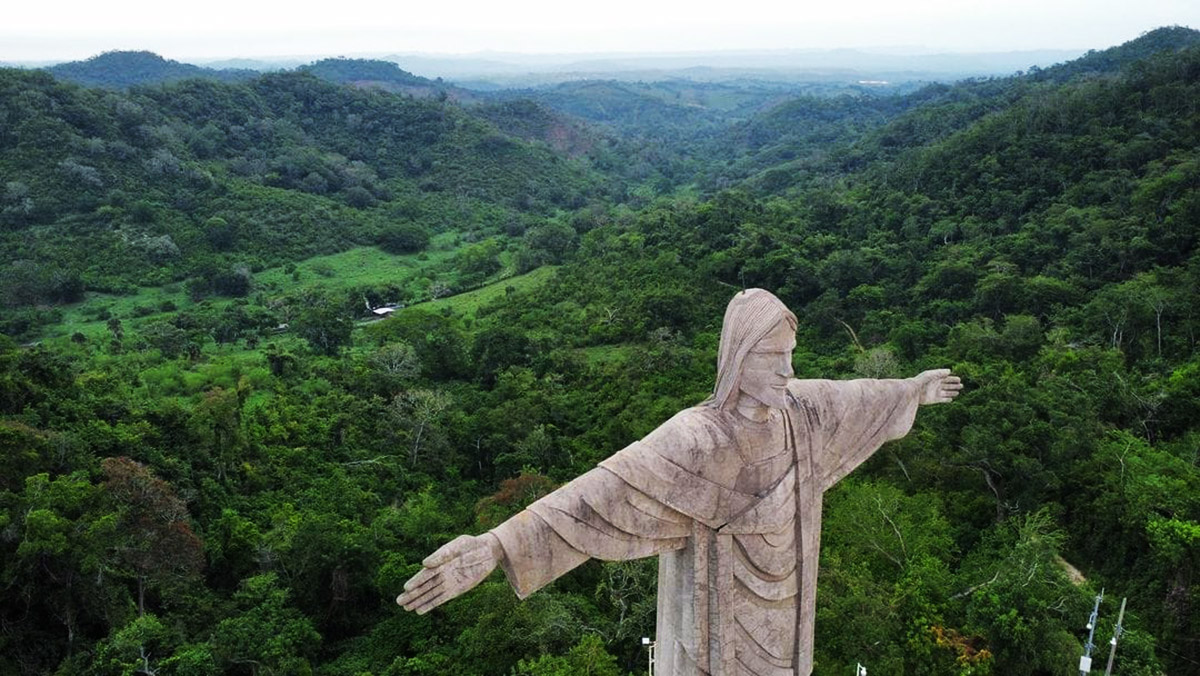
<point x="808" y="386"/>
<point x="703" y="425"/>
<point x="700" y="436"/>
<point x="811" y="391"/>
<point x="690" y="463"/>
<point x="692" y="433"/>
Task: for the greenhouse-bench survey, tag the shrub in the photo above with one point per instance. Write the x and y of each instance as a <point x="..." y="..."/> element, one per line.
<point x="404" y="238"/>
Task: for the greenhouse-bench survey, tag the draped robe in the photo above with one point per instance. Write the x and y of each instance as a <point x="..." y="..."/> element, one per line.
<point x="733" y="509"/>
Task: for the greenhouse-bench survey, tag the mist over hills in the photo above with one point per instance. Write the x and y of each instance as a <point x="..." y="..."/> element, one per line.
<point x="491" y="70"/>
<point x="900" y="69"/>
<point x="507" y="70"/>
<point x="782" y="66"/>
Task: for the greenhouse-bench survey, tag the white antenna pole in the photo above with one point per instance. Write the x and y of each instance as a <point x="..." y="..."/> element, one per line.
<point x="1112" y="651"/>
<point x="1085" y="662"/>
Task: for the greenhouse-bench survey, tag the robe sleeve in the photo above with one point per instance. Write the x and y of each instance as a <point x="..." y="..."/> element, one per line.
<point x="598" y="515"/>
<point x="851" y="419"/>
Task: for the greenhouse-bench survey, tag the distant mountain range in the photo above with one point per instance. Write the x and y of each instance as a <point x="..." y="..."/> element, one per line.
<point x="488" y="71"/>
<point x="120" y="70"/>
<point x="530" y="69"/>
<point x="457" y="76"/>
<point x="778" y="65"/>
<point x="570" y="101"/>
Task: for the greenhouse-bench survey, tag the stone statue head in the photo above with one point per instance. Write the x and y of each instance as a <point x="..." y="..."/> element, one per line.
<point x="757" y="337"/>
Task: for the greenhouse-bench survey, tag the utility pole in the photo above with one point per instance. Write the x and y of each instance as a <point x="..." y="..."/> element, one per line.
<point x="1112" y="651"/>
<point x="1085" y="662"/>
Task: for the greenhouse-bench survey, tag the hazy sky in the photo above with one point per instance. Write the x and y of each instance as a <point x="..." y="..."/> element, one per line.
<point x="73" y="29"/>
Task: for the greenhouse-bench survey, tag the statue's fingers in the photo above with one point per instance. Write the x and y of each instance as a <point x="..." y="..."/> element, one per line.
<point x="410" y="595"/>
<point x="421" y="579"/>
<point x="415" y="599"/>
<point x="430" y="603"/>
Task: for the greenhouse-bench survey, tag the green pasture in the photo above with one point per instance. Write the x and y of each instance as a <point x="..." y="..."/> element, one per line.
<point x="359" y="266"/>
<point x="467" y="304"/>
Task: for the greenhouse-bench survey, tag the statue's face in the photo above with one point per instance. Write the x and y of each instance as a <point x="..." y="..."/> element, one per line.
<point x="768" y="367"/>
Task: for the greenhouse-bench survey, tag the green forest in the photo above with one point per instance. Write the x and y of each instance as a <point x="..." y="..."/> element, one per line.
<point x="215" y="458"/>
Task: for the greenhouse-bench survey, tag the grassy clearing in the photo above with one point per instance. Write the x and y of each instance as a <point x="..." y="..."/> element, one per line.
<point x="87" y="317"/>
<point x="467" y="304"/>
<point x="361" y="266"/>
<point x="353" y="267"/>
<point x="357" y="267"/>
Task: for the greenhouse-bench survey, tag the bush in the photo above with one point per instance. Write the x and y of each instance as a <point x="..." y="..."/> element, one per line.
<point x="234" y="282"/>
<point x="405" y="238"/>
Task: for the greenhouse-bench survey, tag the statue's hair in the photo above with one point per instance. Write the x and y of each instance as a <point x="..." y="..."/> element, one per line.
<point x="750" y="316"/>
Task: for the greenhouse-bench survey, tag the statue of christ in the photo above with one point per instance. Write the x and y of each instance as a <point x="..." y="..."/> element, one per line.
<point x="727" y="494"/>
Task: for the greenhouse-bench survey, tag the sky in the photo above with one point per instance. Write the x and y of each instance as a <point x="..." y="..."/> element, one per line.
<point x="76" y="29"/>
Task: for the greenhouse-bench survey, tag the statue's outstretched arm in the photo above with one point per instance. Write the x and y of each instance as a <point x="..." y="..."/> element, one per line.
<point x="599" y="514"/>
<point x="853" y="418"/>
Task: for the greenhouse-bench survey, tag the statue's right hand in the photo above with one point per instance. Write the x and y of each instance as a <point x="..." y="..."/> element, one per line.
<point x="456" y="567"/>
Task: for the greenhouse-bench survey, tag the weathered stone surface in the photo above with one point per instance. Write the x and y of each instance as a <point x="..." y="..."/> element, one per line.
<point x="728" y="495"/>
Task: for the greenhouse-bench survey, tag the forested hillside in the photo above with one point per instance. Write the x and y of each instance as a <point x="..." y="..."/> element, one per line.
<point x="105" y="191"/>
<point x="212" y="463"/>
<point x="126" y="69"/>
<point x="813" y="138"/>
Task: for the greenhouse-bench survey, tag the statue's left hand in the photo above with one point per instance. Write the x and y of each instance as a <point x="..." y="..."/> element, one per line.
<point x="938" y="386"/>
<point x="454" y="568"/>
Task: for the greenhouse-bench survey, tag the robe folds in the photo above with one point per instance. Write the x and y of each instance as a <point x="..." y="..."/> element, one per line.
<point x="733" y="509"/>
